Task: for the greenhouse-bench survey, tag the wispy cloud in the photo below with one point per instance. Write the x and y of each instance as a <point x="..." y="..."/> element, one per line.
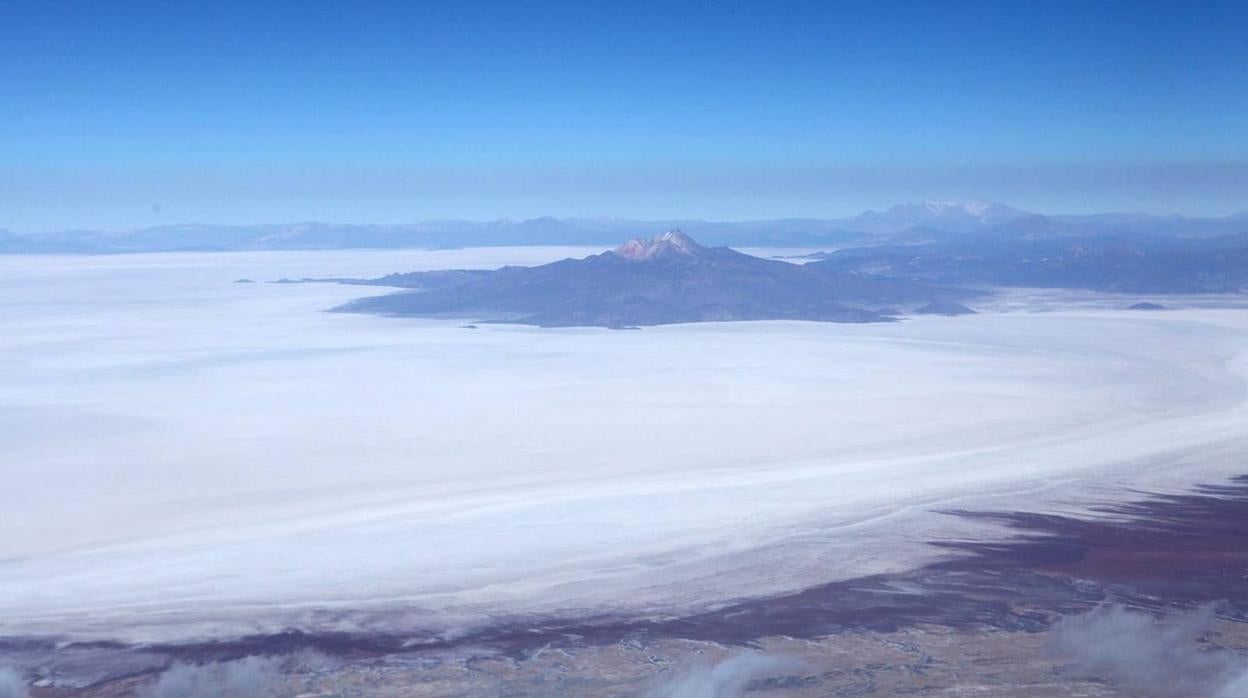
<point x="249" y="677"/>
<point x="727" y="679"/>
<point x="1156" y="657"/>
<point x="11" y="684"/>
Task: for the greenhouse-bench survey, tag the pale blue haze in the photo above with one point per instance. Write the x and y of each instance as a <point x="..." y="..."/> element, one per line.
<point x="138" y="113"/>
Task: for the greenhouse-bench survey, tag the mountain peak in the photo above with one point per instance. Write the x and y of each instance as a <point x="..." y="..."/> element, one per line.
<point x="671" y="243"/>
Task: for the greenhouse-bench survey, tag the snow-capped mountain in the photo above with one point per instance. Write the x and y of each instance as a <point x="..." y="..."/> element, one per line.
<point x="673" y="242"/>
<point x="949" y="216"/>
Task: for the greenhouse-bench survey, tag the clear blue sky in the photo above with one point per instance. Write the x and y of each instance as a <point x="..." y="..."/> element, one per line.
<point x="120" y="114"/>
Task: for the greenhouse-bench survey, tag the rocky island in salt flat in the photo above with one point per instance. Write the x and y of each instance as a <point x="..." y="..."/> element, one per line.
<point x="665" y="280"/>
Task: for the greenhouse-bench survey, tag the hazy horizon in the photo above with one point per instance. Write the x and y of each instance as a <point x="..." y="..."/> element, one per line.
<point x="229" y="114"/>
<point x="607" y="217"/>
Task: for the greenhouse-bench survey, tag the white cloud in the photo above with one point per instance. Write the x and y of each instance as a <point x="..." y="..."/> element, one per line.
<point x="1156" y="657"/>
<point x="11" y="684"/>
<point x="726" y="679"/>
<point x="250" y="677"/>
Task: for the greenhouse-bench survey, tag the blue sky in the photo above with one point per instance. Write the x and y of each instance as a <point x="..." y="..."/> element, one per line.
<point x="124" y="114"/>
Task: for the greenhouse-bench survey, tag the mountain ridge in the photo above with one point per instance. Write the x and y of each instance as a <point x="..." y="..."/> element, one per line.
<point x="919" y="222"/>
<point x="1062" y="255"/>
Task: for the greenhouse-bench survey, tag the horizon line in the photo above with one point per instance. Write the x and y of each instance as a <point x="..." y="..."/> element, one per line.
<point x="605" y="217"/>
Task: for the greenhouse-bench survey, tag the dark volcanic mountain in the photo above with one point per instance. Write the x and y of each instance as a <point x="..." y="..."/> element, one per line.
<point x="669" y="279"/>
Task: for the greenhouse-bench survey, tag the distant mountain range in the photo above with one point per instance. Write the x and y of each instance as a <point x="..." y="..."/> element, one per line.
<point x="1060" y="255"/>
<point x="664" y="280"/>
<point x="905" y="223"/>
